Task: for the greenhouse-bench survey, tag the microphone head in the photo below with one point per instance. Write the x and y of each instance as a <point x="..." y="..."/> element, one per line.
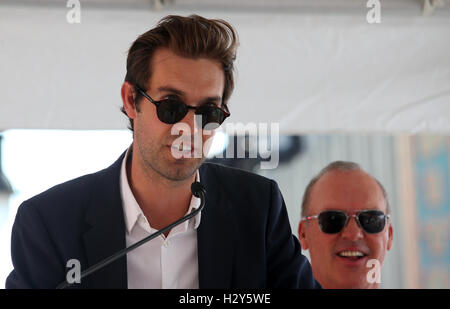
<point x="197" y="189"/>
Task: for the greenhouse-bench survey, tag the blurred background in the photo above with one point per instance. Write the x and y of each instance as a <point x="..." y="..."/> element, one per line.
<point x="365" y="81"/>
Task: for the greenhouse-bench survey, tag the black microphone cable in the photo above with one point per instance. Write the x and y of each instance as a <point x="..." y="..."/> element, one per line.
<point x="197" y="190"/>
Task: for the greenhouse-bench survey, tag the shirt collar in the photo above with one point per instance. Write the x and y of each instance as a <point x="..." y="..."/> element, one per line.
<point x="132" y="210"/>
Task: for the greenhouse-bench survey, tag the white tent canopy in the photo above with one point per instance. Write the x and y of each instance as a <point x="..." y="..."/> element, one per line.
<point x="311" y="71"/>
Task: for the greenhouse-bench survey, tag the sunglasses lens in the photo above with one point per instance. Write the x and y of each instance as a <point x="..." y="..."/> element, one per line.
<point x="332" y="222"/>
<point x="210" y="115"/>
<point x="372" y="221"/>
<point x="171" y="111"/>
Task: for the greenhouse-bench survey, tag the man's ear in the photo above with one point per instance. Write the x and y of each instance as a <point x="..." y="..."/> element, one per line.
<point x="391" y="237"/>
<point x="302" y="235"/>
<point x="128" y="99"/>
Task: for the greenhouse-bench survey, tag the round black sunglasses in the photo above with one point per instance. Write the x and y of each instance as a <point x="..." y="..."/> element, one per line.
<point x="172" y="110"/>
<point x="333" y="221"/>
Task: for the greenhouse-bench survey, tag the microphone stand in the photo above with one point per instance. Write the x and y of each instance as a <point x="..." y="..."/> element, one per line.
<point x="197" y="190"/>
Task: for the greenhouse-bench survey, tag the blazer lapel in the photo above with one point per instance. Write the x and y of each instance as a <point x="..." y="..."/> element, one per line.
<point x="107" y="233"/>
<point x="215" y="236"/>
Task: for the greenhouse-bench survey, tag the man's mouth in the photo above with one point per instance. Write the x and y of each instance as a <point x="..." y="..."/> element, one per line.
<point x="352" y="254"/>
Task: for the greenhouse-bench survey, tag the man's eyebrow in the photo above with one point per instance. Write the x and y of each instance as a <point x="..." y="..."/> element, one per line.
<point x="217" y="99"/>
<point x="171" y="90"/>
<point x="182" y="93"/>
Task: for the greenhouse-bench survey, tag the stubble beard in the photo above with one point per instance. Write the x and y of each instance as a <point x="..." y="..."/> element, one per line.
<point x="158" y="159"/>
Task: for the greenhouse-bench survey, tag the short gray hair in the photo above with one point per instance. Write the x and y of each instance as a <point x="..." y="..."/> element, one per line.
<point x="339" y="166"/>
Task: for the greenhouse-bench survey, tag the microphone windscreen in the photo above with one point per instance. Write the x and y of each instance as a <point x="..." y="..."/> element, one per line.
<point x="197" y="188"/>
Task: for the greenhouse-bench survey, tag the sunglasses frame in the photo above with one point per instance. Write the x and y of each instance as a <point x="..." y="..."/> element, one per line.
<point x="354" y="214"/>
<point x="224" y="108"/>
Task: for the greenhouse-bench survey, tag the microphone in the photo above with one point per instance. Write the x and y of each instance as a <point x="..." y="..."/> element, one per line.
<point x="197" y="190"/>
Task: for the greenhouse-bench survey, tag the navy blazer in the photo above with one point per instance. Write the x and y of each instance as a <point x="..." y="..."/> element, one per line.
<point x="244" y="239"/>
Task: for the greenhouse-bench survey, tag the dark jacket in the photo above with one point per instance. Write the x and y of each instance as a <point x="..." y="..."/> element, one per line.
<point x="244" y="239"/>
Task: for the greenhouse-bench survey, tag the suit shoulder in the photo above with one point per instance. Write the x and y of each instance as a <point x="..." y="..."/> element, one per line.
<point x="62" y="197"/>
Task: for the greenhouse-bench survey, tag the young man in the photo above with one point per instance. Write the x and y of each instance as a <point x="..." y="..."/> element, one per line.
<point x="241" y="239"/>
<point x="346" y="227"/>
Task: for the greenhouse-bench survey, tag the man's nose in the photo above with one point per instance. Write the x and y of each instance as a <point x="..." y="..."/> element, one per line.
<point x="191" y="121"/>
<point x="352" y="231"/>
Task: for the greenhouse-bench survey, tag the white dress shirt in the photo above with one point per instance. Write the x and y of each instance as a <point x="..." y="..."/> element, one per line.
<point x="164" y="262"/>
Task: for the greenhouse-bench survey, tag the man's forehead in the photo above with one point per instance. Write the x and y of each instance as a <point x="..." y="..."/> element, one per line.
<point x="185" y="74"/>
<point x="165" y="56"/>
<point x="346" y="190"/>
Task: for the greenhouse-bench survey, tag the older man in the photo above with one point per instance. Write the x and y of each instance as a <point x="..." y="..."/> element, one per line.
<point x="345" y="226"/>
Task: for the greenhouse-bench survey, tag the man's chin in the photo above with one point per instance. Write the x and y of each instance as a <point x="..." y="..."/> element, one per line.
<point x="354" y="281"/>
<point x="181" y="169"/>
<point x="347" y="284"/>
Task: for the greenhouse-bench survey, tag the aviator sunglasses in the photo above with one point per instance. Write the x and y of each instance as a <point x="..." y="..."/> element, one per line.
<point x="172" y="110"/>
<point x="333" y="221"/>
